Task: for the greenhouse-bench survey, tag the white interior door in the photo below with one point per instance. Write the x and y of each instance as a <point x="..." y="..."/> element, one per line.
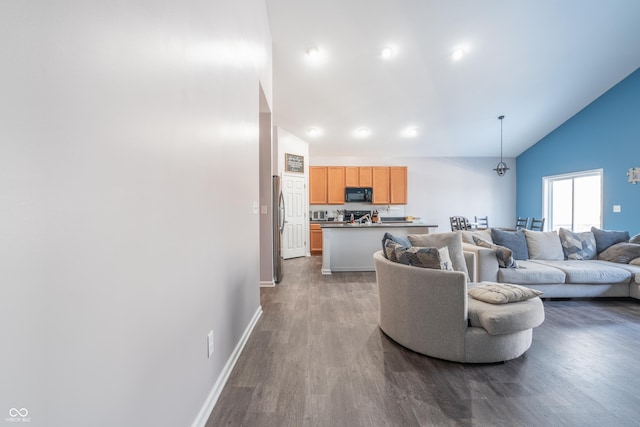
<point x="294" y="236"/>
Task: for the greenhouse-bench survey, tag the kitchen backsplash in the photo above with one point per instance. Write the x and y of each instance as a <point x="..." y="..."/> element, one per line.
<point x="383" y="210"/>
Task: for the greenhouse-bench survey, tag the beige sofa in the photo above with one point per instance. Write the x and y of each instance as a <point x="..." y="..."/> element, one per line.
<point x="428" y="311"/>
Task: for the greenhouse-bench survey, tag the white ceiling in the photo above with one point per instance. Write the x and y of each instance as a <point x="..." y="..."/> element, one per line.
<point x="538" y="62"/>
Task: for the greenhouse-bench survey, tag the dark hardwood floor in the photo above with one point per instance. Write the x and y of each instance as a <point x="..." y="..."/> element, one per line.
<point x="318" y="358"/>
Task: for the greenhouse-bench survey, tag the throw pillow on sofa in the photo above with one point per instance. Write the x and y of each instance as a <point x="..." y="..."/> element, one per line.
<point x="635" y="239"/>
<point x="513" y="240"/>
<point x="422" y="257"/>
<point x="401" y="240"/>
<point x="502" y="293"/>
<point x="622" y="253"/>
<point x="606" y="238"/>
<point x="468" y="235"/>
<point x="578" y="245"/>
<point x="393" y="252"/>
<point x="544" y="245"/>
<point x="451" y="240"/>
<point x="503" y="255"/>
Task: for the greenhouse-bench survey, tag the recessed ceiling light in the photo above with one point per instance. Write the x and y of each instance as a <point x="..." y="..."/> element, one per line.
<point x="387" y="52"/>
<point x="313" y="132"/>
<point x="458" y="54"/>
<point x="410" y="132"/>
<point x="313" y="52"/>
<point x="363" y="132"/>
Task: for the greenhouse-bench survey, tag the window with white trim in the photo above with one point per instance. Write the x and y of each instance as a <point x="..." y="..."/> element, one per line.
<point x="573" y="200"/>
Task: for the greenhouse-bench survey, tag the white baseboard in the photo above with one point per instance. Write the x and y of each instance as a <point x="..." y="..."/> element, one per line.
<point x="267" y="284"/>
<point x="210" y="403"/>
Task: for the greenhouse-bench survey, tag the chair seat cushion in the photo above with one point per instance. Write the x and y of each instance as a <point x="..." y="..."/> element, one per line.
<point x="502" y="293"/>
<point x="499" y="319"/>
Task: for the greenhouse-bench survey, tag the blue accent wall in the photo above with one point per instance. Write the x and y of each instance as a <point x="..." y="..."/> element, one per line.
<point x="606" y="135"/>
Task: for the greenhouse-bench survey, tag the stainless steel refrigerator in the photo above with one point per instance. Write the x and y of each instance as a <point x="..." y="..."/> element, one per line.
<point x="278" y="210"/>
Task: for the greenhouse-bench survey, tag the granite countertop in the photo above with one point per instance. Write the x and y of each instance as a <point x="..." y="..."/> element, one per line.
<point x="331" y="224"/>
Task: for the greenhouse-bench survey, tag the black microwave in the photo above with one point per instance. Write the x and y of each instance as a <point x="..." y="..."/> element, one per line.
<point x="358" y="195"/>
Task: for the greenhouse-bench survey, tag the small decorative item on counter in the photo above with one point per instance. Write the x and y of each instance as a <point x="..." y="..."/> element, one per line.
<point x="374" y="217"/>
<point x="352" y="220"/>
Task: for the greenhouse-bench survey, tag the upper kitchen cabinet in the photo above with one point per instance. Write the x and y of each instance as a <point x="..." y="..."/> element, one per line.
<point x="381" y="195"/>
<point x="335" y="185"/>
<point x="398" y="185"/>
<point x="351" y="176"/>
<point x="317" y="185"/>
<point x="358" y="176"/>
<point x="365" y="176"/>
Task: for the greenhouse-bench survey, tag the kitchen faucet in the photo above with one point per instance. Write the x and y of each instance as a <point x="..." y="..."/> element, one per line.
<point x="366" y="218"/>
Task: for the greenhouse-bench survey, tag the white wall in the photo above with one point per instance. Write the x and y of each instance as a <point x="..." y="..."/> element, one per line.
<point x="128" y="172"/>
<point x="440" y="187"/>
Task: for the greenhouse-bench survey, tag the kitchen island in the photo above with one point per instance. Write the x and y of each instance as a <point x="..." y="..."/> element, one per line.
<point x="350" y="247"/>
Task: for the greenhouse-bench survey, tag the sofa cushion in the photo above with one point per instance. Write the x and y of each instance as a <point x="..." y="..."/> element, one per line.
<point x="621" y="253"/>
<point x="468" y="235"/>
<point x="513" y="240"/>
<point x="499" y="319"/>
<point x="503" y="255"/>
<point x="544" y="245"/>
<point x="530" y="272"/>
<point x="401" y="240"/>
<point x="452" y="240"/>
<point x="631" y="268"/>
<point x="635" y="261"/>
<point x="635" y="239"/>
<point x="502" y="293"/>
<point x="606" y="238"/>
<point x="588" y="272"/>
<point x="578" y="246"/>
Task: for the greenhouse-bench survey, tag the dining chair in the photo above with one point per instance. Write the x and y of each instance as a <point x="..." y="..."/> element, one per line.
<point x="455" y="223"/>
<point x="481" y="221"/>
<point x="522" y="223"/>
<point x="464" y="223"/>
<point x="537" y="224"/>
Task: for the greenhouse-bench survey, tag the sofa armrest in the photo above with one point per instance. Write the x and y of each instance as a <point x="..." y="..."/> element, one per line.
<point x="486" y="263"/>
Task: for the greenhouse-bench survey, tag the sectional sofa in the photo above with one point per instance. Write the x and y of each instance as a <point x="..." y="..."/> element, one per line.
<point x="562" y="265"/>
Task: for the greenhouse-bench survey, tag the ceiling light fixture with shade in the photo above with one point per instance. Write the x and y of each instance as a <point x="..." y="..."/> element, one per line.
<point x="502" y="167"/>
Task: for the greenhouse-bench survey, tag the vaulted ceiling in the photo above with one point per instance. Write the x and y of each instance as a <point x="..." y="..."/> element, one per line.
<point x="537" y="62"/>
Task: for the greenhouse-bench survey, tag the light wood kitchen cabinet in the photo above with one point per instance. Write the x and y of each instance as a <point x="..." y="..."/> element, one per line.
<point x="381" y="195"/>
<point x="365" y="176"/>
<point x="335" y="185"/>
<point x="315" y="239"/>
<point x="398" y="185"/>
<point x="351" y="176"/>
<point x="317" y="185"/>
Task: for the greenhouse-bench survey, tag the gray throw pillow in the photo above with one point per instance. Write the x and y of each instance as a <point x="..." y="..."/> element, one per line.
<point x="513" y="240"/>
<point x="503" y="255"/>
<point x="451" y="240"/>
<point x="622" y="253"/>
<point x="544" y="245"/>
<point x="392" y="250"/>
<point x="401" y="240"/>
<point x="606" y="238"/>
<point x="577" y="245"/>
<point x="635" y="239"/>
<point x="425" y="257"/>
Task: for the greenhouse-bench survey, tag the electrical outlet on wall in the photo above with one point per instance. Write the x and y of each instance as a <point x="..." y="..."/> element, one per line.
<point x="616" y="208"/>
<point x="210" y="343"/>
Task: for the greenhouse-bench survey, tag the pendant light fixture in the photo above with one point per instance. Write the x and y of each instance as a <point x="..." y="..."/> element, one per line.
<point x="502" y="167"/>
